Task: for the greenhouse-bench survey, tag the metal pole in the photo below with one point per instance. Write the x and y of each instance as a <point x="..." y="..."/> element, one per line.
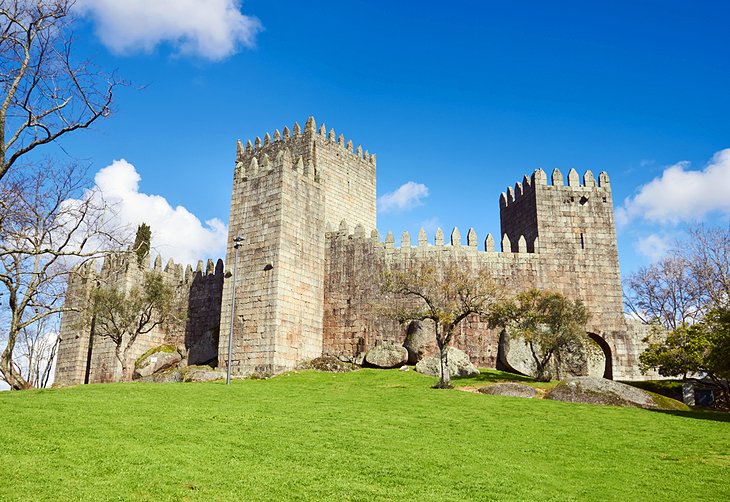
<point x="236" y="245"/>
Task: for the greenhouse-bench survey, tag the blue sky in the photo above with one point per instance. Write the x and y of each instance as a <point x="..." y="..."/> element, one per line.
<point x="460" y="99"/>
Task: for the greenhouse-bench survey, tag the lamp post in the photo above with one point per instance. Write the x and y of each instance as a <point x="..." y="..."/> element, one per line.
<point x="236" y="244"/>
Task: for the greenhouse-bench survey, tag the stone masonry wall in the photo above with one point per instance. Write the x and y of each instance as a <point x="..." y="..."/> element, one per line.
<point x="286" y="187"/>
<point x="356" y="318"/>
<point x="81" y="346"/>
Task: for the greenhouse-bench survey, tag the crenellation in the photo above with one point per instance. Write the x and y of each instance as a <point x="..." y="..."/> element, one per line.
<point x="456" y="237"/>
<point x="277" y="135"/>
<point x="518" y="190"/>
<point x="573" y="179"/>
<point x="471" y="238"/>
<point x="439" y="238"/>
<point x="489" y="244"/>
<point x="405" y="240"/>
<point x="296" y="130"/>
<point x="603" y="180"/>
<point x="557" y="178"/>
<point x="588" y="180"/>
<point x="506" y="245"/>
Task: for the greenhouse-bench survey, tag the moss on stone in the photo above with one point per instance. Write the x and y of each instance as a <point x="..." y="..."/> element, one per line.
<point x="160" y="348"/>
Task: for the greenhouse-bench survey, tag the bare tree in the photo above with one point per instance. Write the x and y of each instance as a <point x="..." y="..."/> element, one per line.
<point x="43" y="231"/>
<point x="680" y="289"/>
<point x="35" y="352"/>
<point x="708" y="253"/>
<point x="446" y="295"/>
<point x="666" y="293"/>
<point x="46" y="93"/>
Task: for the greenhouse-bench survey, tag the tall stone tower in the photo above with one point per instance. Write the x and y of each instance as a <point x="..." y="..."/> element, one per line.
<point x="287" y="191"/>
<point x="573" y="226"/>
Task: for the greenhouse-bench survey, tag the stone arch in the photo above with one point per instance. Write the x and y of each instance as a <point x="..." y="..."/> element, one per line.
<point x="606" y="348"/>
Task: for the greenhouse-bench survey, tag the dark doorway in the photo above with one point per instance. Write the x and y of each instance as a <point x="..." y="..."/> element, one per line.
<point x="608" y="370"/>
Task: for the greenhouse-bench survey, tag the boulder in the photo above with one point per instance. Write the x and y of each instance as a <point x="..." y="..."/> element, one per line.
<point x="203" y="374"/>
<point x="386" y="356"/>
<point x="171" y="375"/>
<point x="583" y="359"/>
<point x="156" y="360"/>
<point x="419" y="342"/>
<point x="458" y="363"/>
<point x="511" y="389"/>
<point x="592" y="390"/>
<point x="329" y="363"/>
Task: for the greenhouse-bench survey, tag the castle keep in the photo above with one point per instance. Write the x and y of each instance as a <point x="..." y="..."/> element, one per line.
<point x="304" y="203"/>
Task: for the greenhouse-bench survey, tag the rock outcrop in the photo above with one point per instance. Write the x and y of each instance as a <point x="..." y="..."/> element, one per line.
<point x="387" y="356"/>
<point x="458" y="363"/>
<point x="592" y="390"/>
<point x="510" y="389"/>
<point x="156" y="360"/>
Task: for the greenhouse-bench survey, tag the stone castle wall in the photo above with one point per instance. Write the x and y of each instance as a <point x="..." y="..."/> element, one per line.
<point x="85" y="358"/>
<point x="304" y="288"/>
<point x="555" y="237"/>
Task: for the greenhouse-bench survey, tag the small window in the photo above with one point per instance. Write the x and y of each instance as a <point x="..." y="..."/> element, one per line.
<point x="583" y="200"/>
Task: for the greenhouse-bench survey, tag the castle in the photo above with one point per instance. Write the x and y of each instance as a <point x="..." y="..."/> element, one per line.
<point x="308" y="268"/>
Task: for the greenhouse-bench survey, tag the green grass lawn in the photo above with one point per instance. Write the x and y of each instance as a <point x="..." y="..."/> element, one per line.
<point x="368" y="435"/>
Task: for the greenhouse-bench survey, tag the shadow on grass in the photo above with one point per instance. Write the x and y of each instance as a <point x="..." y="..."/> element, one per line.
<point x="715" y="416"/>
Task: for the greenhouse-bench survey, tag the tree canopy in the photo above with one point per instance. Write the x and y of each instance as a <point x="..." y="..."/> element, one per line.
<point x="548" y="322"/>
<point x="445" y="294"/>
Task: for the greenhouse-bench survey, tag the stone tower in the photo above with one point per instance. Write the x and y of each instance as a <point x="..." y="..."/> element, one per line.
<point x="287" y="191"/>
<point x="573" y="225"/>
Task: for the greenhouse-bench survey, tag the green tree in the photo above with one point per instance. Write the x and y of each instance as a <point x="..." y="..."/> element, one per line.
<point x="547" y="321"/>
<point x="123" y="317"/>
<point x="699" y="352"/>
<point x="142" y="243"/>
<point x="446" y="295"/>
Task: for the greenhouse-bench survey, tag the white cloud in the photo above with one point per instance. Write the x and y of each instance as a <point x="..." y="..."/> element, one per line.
<point x="176" y="232"/>
<point x="681" y="195"/>
<point x="654" y="246"/>
<point x="408" y="196"/>
<point x="430" y="225"/>
<point x="213" y="29"/>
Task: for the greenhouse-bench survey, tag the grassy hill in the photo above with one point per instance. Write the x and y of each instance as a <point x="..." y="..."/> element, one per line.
<point x="368" y="435"/>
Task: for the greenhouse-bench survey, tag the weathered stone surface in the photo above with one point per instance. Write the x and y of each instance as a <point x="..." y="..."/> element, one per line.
<point x="458" y="363"/>
<point x="586" y="359"/>
<point x="386" y="356"/>
<point x="509" y="389"/>
<point x="168" y="376"/>
<point x="203" y="374"/>
<point x="419" y="342"/>
<point x="329" y="363"/>
<point x="592" y="390"/>
<point x="157" y="361"/>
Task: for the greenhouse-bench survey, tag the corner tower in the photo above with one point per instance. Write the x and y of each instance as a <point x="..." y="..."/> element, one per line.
<point x="287" y="190"/>
<point x="571" y="226"/>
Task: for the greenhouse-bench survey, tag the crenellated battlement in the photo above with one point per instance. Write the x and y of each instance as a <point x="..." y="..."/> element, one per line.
<point x="294" y="149"/>
<point x="539" y="179"/>
<point x="113" y="269"/>
<point x="439" y="243"/>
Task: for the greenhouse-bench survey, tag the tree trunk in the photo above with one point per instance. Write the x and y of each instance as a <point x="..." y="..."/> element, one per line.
<point x="445" y="374"/>
<point x="13" y="378"/>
